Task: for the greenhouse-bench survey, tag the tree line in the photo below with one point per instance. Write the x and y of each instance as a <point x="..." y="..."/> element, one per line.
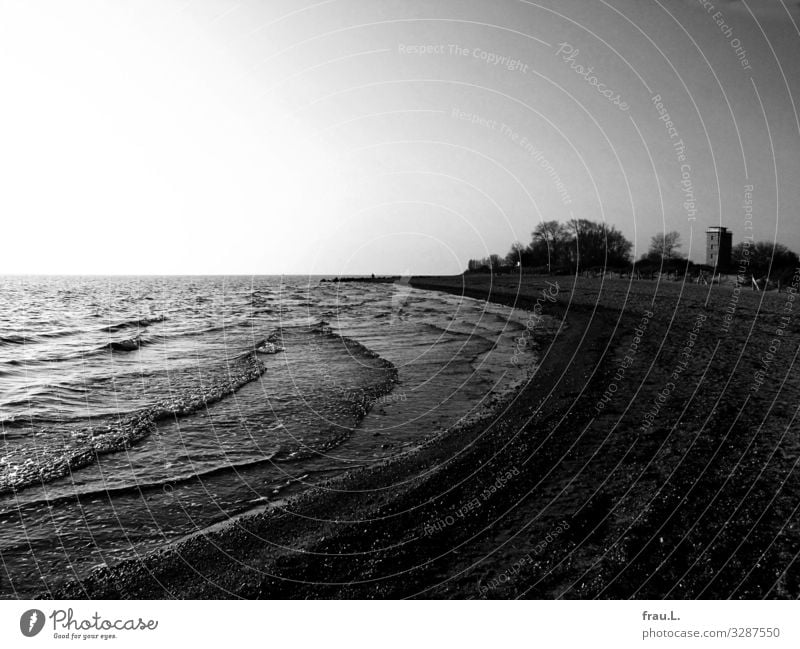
<point x="554" y="247"/>
<point x="582" y="245"/>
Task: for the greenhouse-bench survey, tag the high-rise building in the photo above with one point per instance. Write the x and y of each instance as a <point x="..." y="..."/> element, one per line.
<point x="718" y="248"/>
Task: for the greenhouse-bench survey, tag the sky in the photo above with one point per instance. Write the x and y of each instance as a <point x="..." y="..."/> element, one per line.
<point x="394" y="137"/>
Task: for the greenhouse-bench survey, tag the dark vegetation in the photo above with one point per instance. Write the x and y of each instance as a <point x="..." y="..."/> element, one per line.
<point x="587" y="247"/>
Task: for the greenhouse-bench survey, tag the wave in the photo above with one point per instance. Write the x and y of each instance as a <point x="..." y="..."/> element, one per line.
<point x="162" y="337"/>
<point x="22" y="426"/>
<point x="87" y="441"/>
<point x="360" y="401"/>
<point x="127" y="345"/>
<point x="122" y="345"/>
<point x="136" y="322"/>
<point x="89" y="444"/>
<point x="157" y="485"/>
<point x="361" y="404"/>
<point x="25" y="339"/>
<point x="209" y="330"/>
<point x="15" y="422"/>
<point x="14" y="339"/>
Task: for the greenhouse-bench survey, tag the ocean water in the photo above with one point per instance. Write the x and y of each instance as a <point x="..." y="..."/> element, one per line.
<point x="137" y="410"/>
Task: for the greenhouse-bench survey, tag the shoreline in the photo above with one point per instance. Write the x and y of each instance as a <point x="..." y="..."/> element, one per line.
<point x="472" y="512"/>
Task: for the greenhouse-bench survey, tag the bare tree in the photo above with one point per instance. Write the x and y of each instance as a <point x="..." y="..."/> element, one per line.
<point x="598" y="245"/>
<point x="514" y="257"/>
<point x="551" y="243"/>
<point x="664" y="246"/>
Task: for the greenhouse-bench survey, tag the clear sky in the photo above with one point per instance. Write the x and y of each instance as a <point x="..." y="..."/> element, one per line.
<point x="399" y="136"/>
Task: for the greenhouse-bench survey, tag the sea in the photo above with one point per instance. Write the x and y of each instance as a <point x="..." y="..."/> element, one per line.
<point x="136" y="411"/>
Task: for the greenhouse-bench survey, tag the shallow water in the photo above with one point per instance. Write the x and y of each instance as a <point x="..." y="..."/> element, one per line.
<point x="366" y="371"/>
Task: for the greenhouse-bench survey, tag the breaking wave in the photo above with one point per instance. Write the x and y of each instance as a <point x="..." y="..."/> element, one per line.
<point x="87" y="444"/>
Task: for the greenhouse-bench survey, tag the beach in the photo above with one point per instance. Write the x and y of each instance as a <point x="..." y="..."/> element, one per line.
<point x="240" y="393"/>
<point x="650" y="454"/>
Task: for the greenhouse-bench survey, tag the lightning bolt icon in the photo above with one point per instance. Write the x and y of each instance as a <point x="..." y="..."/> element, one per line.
<point x="32" y="621"/>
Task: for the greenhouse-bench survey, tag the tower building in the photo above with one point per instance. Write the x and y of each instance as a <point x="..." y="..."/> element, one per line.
<point x="718" y="248"/>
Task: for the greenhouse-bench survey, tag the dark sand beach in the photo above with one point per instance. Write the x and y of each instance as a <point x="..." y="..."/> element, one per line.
<point x="652" y="454"/>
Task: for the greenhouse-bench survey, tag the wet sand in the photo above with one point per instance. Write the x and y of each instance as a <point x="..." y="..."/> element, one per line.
<point x="652" y="454"/>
